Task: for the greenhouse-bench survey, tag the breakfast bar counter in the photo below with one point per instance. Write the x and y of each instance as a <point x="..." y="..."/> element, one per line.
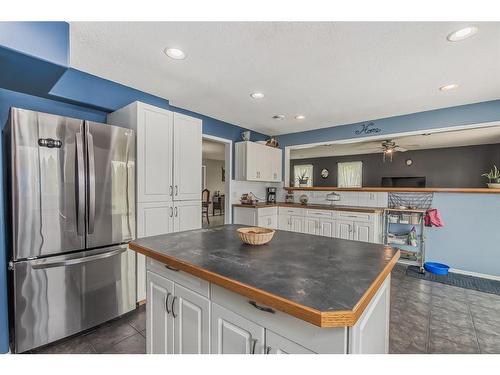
<point x="315" y="285"/>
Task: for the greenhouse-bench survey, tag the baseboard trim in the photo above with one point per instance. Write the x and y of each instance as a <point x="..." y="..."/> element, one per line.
<point x="476" y="274"/>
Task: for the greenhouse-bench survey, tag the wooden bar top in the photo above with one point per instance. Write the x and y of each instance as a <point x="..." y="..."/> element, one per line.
<point x="325" y="281"/>
<point x="399" y="189"/>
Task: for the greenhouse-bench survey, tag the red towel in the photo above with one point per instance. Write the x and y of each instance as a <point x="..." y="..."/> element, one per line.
<point x="433" y="218"/>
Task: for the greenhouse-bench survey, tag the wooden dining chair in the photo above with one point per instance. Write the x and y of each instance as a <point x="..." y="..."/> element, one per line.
<point x="205" y="201"/>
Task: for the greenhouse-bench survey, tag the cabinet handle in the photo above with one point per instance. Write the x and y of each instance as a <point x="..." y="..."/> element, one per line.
<point x="171" y="212"/>
<point x="254" y="343"/>
<point x="171" y="268"/>
<point x="176" y="190"/>
<point x="166" y="302"/>
<point x="173" y="301"/>
<point x="261" y="308"/>
<point x="171" y="190"/>
<point x="176" y="211"/>
<point x="268" y="349"/>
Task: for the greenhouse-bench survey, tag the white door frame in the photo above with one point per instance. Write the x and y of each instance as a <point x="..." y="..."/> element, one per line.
<point x="378" y="137"/>
<point x="228" y="160"/>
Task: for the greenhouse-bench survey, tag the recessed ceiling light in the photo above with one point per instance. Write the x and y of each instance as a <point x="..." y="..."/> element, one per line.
<point x="448" y="87"/>
<point x="462" y="34"/>
<point x="278" y="117"/>
<point x="175" y="53"/>
<point x="257" y="95"/>
<point x="300" y="117"/>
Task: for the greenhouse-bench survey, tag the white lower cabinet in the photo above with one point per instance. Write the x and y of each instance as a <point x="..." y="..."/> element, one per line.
<point x="277" y="344"/>
<point x="311" y="225"/>
<point x="191" y="322"/>
<point x="185" y="314"/>
<point x="233" y="334"/>
<point x="344" y="229"/>
<point x="363" y="232"/>
<point x="326" y="228"/>
<point x="159" y="321"/>
<point x="177" y="319"/>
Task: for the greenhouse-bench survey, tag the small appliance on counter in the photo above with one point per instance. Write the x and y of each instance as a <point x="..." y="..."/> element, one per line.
<point x="271" y="195"/>
<point x="249" y="198"/>
<point x="289" y="198"/>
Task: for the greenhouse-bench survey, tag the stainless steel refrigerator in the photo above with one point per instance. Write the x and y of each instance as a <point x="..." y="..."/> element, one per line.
<point x="72" y="211"/>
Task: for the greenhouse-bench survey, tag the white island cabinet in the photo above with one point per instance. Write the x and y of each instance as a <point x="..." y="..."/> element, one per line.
<point x="186" y="314"/>
<point x="168" y="191"/>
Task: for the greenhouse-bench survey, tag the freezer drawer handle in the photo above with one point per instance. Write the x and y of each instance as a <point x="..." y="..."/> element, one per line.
<point x="70" y="262"/>
<point x="261" y="308"/>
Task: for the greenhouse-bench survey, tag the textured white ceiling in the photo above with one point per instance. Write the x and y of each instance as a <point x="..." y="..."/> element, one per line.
<point x="334" y="73"/>
<point x="469" y="137"/>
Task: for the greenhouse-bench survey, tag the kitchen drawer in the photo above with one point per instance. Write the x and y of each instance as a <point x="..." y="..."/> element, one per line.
<point x="319" y="340"/>
<point x="267" y="211"/>
<point x="321" y="213"/>
<point x="182" y="278"/>
<point x="291" y="211"/>
<point x="355" y="216"/>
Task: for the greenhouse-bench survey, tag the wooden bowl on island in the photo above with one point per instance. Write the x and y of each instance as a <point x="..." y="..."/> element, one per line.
<point x="255" y="235"/>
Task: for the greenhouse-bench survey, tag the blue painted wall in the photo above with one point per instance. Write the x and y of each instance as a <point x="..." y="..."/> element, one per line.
<point x="48" y="41"/>
<point x="439" y="118"/>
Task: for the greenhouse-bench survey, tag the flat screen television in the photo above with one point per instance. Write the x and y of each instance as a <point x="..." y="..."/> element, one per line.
<point x="418" y="182"/>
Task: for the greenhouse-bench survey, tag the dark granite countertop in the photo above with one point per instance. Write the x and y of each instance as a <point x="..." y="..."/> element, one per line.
<point x="319" y="274"/>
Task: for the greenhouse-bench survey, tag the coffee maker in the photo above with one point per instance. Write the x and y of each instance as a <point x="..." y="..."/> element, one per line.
<point x="270" y="195"/>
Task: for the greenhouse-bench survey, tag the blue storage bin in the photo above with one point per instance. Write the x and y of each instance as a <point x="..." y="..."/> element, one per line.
<point x="436" y="268"/>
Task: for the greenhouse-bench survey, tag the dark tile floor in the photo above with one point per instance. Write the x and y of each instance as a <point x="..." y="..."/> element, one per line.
<point x="125" y="335"/>
<point x="426" y="317"/>
<point x="429" y="317"/>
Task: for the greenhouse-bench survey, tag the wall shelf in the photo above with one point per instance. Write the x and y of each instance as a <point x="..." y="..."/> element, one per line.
<point x="399" y="190"/>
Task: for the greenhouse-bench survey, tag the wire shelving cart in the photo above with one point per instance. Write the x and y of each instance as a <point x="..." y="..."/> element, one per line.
<point x="407" y="210"/>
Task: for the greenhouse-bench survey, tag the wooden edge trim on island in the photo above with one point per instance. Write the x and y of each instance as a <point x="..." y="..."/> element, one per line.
<point x="399" y="190"/>
<point x="313" y="316"/>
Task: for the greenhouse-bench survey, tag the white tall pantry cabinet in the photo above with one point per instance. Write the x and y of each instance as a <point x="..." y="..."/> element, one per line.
<point x="168" y="168"/>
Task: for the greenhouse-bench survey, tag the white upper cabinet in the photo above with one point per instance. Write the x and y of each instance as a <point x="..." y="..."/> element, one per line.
<point x="154" y="131"/>
<point x="168" y="152"/>
<point x="257" y="162"/>
<point x="187" y="158"/>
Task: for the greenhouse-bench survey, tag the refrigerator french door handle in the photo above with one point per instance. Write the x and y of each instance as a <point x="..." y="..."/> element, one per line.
<point x="69" y="262"/>
<point x="80" y="185"/>
<point x="91" y="185"/>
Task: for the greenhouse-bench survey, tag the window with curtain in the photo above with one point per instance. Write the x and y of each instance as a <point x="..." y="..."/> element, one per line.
<point x="305" y="171"/>
<point x="350" y="174"/>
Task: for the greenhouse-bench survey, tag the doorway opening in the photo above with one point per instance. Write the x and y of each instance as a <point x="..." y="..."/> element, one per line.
<point x="215" y="181"/>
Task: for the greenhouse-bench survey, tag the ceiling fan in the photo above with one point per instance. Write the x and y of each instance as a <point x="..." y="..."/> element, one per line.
<point x="389" y="147"/>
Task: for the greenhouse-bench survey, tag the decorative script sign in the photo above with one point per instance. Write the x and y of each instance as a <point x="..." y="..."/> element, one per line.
<point x="367" y="128"/>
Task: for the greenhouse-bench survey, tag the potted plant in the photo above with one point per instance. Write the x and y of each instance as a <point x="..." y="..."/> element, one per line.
<point x="303" y="179"/>
<point x="494" y="177"/>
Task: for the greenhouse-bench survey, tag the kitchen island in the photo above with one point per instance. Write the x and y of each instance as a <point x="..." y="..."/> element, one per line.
<point x="207" y="292"/>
